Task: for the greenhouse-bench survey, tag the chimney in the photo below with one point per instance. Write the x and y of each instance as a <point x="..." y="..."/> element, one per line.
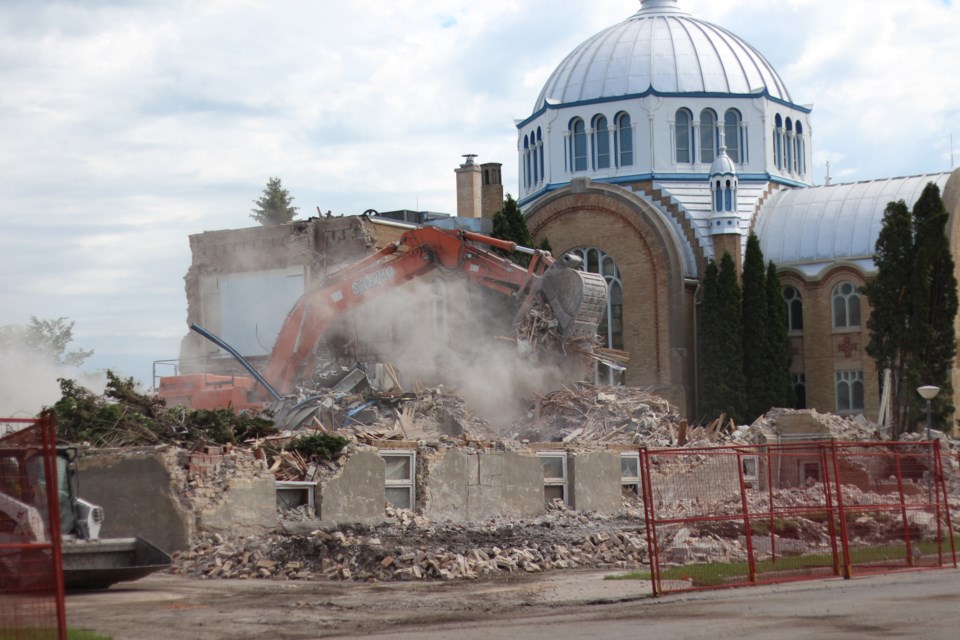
<point x="469" y="188"/>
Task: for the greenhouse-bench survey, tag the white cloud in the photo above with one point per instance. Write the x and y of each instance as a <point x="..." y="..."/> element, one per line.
<point x="127" y="126"/>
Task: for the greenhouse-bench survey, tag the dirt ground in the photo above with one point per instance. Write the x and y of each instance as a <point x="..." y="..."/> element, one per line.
<point x="557" y="605"/>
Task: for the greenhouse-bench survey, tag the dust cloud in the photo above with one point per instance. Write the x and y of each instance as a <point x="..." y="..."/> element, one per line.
<point x="29" y="383"/>
<point x="441" y="329"/>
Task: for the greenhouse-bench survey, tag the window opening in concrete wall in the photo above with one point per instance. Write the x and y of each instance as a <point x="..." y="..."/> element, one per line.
<point x="295" y="494"/>
<point x="849" y="389"/>
<point x="809" y="473"/>
<point x="630" y="472"/>
<point x="554" y="476"/>
<point x="400" y="471"/>
<point x="751" y="470"/>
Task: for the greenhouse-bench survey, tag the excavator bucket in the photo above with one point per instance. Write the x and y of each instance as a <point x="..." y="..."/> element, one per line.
<point x="578" y="298"/>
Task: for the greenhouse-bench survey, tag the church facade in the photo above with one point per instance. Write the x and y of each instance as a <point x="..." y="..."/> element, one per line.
<point x="662" y="142"/>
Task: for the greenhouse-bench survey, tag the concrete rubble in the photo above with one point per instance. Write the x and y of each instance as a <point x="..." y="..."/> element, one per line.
<point x="411" y="547"/>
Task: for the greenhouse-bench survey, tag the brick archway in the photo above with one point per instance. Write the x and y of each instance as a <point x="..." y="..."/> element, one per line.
<point x="656" y="304"/>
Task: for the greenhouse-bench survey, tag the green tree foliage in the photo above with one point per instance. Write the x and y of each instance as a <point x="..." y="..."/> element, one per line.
<point x="125" y="417"/>
<point x="508" y="224"/>
<point x="273" y="207"/>
<point x="47" y="339"/>
<point x="756" y="347"/>
<point x="721" y="330"/>
<point x="914" y="304"/>
<point x="779" y="386"/>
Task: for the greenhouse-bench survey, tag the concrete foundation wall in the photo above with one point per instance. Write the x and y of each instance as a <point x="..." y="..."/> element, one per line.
<point x="136" y="491"/>
<point x="482" y="485"/>
<point x="249" y="504"/>
<point x="594" y="482"/>
<point x="356" y="496"/>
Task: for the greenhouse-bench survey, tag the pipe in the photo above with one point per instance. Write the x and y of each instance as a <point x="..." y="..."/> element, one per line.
<point x="243" y="362"/>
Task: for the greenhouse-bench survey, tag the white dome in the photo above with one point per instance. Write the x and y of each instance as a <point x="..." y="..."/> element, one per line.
<point x="666" y="50"/>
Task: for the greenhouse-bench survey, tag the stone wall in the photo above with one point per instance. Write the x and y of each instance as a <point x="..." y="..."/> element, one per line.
<point x="594" y="481"/>
<point x="355" y="495"/>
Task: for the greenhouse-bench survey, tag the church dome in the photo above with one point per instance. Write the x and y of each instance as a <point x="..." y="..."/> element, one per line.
<point x="663" y="49"/>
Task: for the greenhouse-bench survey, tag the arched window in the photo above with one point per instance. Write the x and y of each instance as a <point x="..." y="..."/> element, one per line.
<point x="718" y="197"/>
<point x="578" y="145"/>
<point x="624" y="140"/>
<point x="794" y="308"/>
<point x="708" y="136"/>
<point x="789" y="137"/>
<point x="798" y="146"/>
<point x="731" y="130"/>
<point x="849" y="388"/>
<point x="438" y="306"/>
<point x="728" y="197"/>
<point x="601" y="143"/>
<point x="778" y="142"/>
<point x="526" y="161"/>
<point x="534" y="172"/>
<point x="683" y="135"/>
<point x="846" y="306"/>
<point x="800" y="390"/>
<point x="540" y="153"/>
<point x="611" y="325"/>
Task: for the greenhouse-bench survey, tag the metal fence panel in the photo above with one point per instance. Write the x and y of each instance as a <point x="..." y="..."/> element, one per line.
<point x="739" y="515"/>
<point x="31" y="577"/>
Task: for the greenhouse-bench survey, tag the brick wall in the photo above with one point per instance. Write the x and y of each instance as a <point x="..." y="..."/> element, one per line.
<point x="656" y="331"/>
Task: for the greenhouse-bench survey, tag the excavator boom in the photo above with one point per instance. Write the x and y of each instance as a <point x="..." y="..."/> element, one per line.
<point x="578" y="300"/>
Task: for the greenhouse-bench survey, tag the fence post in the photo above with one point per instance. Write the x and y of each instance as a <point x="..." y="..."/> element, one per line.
<point x="903" y="508"/>
<point x="649" y="521"/>
<point x="942" y="487"/>
<point x="48" y="429"/>
<point x="773" y="521"/>
<point x="844" y="539"/>
<point x="828" y="505"/>
<point x="751" y="560"/>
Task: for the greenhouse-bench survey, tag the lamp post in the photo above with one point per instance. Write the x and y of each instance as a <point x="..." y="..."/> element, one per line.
<point x="928" y="392"/>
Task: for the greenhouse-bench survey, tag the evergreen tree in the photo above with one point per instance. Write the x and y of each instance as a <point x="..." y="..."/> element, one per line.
<point x="914" y="302"/>
<point x="721" y="343"/>
<point x="780" y="385"/>
<point x="273" y="207"/>
<point x="935" y="306"/>
<point x="509" y="224"/>
<point x="757" y="367"/>
<point x="889" y="320"/>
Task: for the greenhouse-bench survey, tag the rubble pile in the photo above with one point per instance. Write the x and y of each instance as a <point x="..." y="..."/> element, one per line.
<point x="598" y="414"/>
<point x="413" y="548"/>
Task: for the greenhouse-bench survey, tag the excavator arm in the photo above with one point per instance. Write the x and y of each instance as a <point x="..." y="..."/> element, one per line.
<point x="577" y="298"/>
<point x="418" y="251"/>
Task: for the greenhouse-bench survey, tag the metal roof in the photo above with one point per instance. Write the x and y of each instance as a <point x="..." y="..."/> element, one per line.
<point x="663" y="49"/>
<point x="833" y="222"/>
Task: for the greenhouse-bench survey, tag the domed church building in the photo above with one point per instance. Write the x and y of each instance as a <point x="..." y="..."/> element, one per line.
<point x="659" y="144"/>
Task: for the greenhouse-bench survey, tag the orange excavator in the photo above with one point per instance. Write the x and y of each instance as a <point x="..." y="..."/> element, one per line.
<point x="576" y="298"/>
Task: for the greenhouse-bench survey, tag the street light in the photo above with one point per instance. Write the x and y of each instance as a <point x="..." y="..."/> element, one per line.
<point x="928" y="392"/>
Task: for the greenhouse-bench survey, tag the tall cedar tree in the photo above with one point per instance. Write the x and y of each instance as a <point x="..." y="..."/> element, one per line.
<point x="756" y="347"/>
<point x="720" y="343"/>
<point x="914" y="301"/>
<point x="508" y="224"/>
<point x="273" y="207"/>
<point x="780" y="385"/>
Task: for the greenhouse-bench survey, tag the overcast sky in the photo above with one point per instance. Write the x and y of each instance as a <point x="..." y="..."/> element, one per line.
<point x="126" y="126"/>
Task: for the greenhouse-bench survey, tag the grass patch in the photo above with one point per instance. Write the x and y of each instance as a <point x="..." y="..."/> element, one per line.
<point x="714" y="574"/>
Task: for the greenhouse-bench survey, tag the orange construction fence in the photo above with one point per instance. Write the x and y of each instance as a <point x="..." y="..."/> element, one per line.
<point x="742" y="515"/>
<point x="31" y="575"/>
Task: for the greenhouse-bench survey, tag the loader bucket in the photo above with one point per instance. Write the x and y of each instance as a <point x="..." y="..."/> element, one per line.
<point x="578" y="298"/>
